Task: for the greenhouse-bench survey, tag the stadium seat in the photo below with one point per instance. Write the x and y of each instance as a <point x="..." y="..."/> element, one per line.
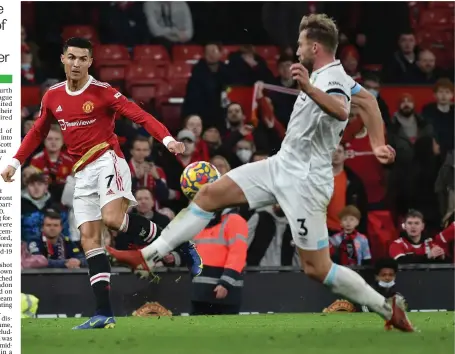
<point x="112" y="74"/>
<point x="180" y="70"/>
<point x="150" y="52"/>
<point x="142" y="74"/>
<point x="87" y="32"/>
<point x="267" y="52"/>
<point x="372" y="67"/>
<point x="178" y="87"/>
<point x="427" y="35"/>
<point x="436" y="18"/>
<point x="441" y="4"/>
<point x="111" y="55"/>
<point x="143" y="94"/>
<point x="188" y="53"/>
<point x="171" y="114"/>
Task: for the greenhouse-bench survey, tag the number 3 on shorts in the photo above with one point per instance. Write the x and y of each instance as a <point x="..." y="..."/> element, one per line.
<point x="303" y="231"/>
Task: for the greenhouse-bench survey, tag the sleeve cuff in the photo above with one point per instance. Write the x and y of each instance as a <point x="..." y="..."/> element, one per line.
<point x="167" y="140"/>
<point x="15" y="163"/>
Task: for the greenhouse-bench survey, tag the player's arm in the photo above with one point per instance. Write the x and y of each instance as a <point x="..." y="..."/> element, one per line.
<point x="32" y="140"/>
<point x="132" y="111"/>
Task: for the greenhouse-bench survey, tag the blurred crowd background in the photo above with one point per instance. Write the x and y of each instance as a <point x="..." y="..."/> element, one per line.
<point x="193" y="65"/>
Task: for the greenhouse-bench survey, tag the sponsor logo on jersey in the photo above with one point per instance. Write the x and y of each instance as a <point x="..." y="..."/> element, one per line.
<point x="117" y="95"/>
<point x="79" y="123"/>
<point x="88" y="107"/>
<point x="335" y="83"/>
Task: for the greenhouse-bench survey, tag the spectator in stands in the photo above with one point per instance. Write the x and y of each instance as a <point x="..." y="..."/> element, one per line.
<point x="32" y="46"/>
<point x="212" y="138"/>
<point x="194" y="124"/>
<point x="423" y="174"/>
<point x="209" y="78"/>
<point x="259" y="155"/>
<point x="30" y="75"/>
<point x="413" y="247"/>
<point x="440" y="115"/>
<point x="372" y="83"/>
<point x="350" y="60"/>
<point x="445" y="239"/>
<point x="350" y="247"/>
<point x="246" y="67"/>
<point x="425" y="71"/>
<point x="145" y="173"/>
<point x="30" y="261"/>
<point x="221" y="164"/>
<point x="53" y="162"/>
<point x="36" y="201"/>
<point x="243" y="152"/>
<point x="123" y="22"/>
<point x="26" y="173"/>
<point x="406" y="127"/>
<point x="445" y="185"/>
<point x="348" y="190"/>
<point x="59" y="250"/>
<point x="282" y="103"/>
<point x="403" y="60"/>
<point x="169" y="22"/>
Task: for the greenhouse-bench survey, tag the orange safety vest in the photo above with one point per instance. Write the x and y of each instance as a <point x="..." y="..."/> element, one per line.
<point x="223" y="249"/>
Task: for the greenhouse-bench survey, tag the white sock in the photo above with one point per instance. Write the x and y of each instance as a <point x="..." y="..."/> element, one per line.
<point x="186" y="225"/>
<point x="352" y="286"/>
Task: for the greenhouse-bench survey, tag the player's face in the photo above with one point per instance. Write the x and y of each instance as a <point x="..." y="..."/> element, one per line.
<point x="306" y="51"/>
<point x="54" y="142"/>
<point x="76" y="61"/>
<point x="52" y="228"/>
<point x="414" y="227"/>
<point x="144" y="201"/>
<point x="220" y="165"/>
<point x="195" y="125"/>
<point x="386" y="275"/>
<point x="37" y="190"/>
<point x="444" y="95"/>
<point x="140" y="151"/>
<point x="349" y="223"/>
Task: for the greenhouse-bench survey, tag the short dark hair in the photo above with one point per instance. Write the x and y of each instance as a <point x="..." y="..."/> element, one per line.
<point x="350" y="210"/>
<point x="385" y="263"/>
<point x="285" y="58"/>
<point x="443" y="83"/>
<point x="36" y="177"/>
<point x="234" y="103"/>
<point x="78" y="42"/>
<point x="260" y="153"/>
<point x="141" y="139"/>
<point x="53" y="215"/>
<point x="412" y="213"/>
<point x="144" y="189"/>
<point x="321" y="28"/>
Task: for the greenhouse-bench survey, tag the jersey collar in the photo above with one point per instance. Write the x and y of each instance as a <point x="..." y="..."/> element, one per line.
<point x="333" y="63"/>
<point x="75" y="93"/>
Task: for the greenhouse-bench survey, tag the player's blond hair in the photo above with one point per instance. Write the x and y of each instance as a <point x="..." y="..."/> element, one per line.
<point x="322" y="29"/>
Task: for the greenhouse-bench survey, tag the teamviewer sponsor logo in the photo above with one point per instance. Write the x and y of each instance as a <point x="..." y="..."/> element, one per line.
<point x="79" y="123"/>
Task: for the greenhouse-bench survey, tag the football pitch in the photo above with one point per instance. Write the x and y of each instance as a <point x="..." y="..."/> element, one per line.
<point x="338" y="333"/>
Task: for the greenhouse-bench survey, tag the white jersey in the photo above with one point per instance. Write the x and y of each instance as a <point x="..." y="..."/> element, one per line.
<point x="312" y="135"/>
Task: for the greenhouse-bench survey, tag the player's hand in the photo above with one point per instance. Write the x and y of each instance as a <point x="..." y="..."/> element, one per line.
<point x="8" y="173"/>
<point x="220" y="291"/>
<point x="385" y="154"/>
<point x="176" y="147"/>
<point x="300" y="74"/>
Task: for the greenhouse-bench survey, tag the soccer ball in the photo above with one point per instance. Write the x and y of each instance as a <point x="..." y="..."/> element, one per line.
<point x="196" y="175"/>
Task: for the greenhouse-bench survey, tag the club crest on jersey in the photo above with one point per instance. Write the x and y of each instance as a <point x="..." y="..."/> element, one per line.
<point x="88" y="107"/>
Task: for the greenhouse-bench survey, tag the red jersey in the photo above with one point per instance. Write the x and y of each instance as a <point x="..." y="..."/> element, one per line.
<point x="147" y="180"/>
<point x="87" y="119"/>
<point x="59" y="169"/>
<point x="445" y="238"/>
<point x="402" y="247"/>
<point x="361" y="160"/>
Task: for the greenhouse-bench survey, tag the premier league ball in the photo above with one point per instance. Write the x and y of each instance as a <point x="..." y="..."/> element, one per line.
<point x="196" y="175"/>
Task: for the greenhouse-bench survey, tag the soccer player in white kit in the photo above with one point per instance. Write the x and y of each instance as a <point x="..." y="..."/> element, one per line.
<point x="299" y="177"/>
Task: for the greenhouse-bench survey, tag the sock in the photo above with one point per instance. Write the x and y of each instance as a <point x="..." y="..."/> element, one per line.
<point x="186" y="225"/>
<point x="352" y="286"/>
<point x="135" y="224"/>
<point x="100" y="275"/>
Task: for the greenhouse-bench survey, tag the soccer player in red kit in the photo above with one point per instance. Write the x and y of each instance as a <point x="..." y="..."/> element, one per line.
<point x="85" y="109"/>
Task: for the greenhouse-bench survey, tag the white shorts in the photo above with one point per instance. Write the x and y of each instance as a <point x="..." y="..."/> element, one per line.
<point x="303" y="201"/>
<point x="100" y="182"/>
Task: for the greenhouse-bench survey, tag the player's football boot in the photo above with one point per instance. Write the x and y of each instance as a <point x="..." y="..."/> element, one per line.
<point x="192" y="258"/>
<point x="132" y="259"/>
<point x="399" y="318"/>
<point x="97" y="322"/>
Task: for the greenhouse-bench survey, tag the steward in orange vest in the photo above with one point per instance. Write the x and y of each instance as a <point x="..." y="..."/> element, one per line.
<point x="222" y="246"/>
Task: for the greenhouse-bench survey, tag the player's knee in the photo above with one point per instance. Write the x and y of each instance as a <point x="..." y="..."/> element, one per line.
<point x="90" y="241"/>
<point x="207" y="197"/>
<point x="313" y="271"/>
<point x="113" y="220"/>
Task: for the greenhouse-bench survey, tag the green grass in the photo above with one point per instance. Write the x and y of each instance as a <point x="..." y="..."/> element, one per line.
<point x="264" y="334"/>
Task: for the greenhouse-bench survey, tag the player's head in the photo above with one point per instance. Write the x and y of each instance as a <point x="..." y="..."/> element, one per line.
<point x="414" y="223"/>
<point x="349" y="217"/>
<point x="54" y="140"/>
<point x="385" y="271"/>
<point x="221" y="164"/>
<point x="145" y="201"/>
<point x="77" y="57"/>
<point x="318" y="36"/>
<point x="140" y="149"/>
<point x="52" y="225"/>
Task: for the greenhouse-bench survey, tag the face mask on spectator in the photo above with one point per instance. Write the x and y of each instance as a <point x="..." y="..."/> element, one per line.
<point x="244" y="155"/>
<point x="384" y="284"/>
<point x="374" y="92"/>
<point x="26" y="66"/>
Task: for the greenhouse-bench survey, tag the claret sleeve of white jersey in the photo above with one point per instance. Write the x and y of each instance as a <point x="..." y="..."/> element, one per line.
<point x="334" y="82"/>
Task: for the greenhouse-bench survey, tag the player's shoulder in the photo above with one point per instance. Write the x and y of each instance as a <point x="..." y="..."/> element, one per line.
<point x="101" y="84"/>
<point x="55" y="89"/>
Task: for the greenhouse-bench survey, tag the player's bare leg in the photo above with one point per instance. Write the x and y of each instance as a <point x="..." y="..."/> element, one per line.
<point x="220" y="194"/>
<point x="100" y="273"/>
<point x="115" y="217"/>
<point x="344" y="281"/>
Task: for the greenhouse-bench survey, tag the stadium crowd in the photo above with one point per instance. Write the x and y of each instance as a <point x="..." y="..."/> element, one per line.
<point x="153" y="53"/>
